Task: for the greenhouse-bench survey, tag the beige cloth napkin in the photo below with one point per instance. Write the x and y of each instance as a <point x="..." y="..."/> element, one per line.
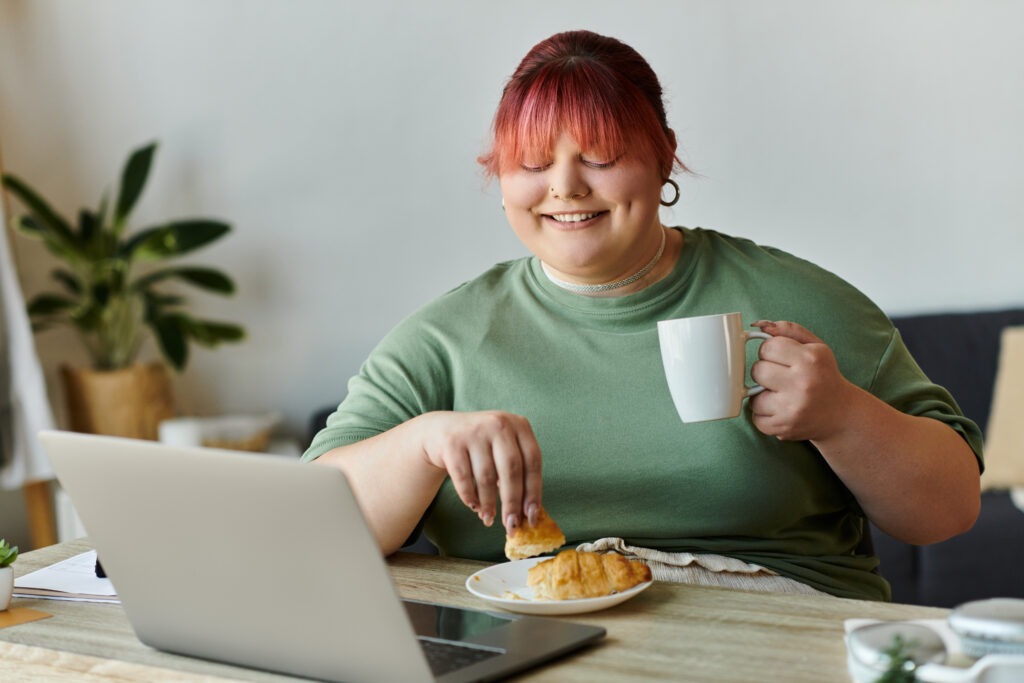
<point x="703" y="569"/>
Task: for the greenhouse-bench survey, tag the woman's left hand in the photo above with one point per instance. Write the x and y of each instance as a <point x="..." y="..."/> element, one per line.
<point x="914" y="477"/>
<point x="804" y="390"/>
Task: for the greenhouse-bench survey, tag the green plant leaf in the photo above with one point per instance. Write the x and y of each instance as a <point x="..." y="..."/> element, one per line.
<point x="68" y="279"/>
<point x="156" y="301"/>
<point x="56" y="245"/>
<point x="170" y="336"/>
<point x="173" y="239"/>
<point x="48" y="304"/>
<point x="8" y="553"/>
<point x="209" y="279"/>
<point x="26" y="225"/>
<point x="87" y="225"/>
<point x="88" y="317"/>
<point x="204" y="278"/>
<point x="45" y="222"/>
<point x="133" y="180"/>
<point x="97" y="243"/>
<point x="101" y="293"/>
<point x="101" y="215"/>
<point x="901" y="666"/>
<point x="210" y="333"/>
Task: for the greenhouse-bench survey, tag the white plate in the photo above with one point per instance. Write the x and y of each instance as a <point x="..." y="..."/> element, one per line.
<point x="504" y="585"/>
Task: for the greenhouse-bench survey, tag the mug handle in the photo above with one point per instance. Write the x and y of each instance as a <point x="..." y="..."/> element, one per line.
<point x="755" y="389"/>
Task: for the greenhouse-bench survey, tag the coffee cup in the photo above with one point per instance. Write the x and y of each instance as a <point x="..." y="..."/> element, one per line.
<point x="706" y="366"/>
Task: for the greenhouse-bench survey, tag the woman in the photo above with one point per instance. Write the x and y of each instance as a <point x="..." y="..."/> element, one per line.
<point x="558" y="355"/>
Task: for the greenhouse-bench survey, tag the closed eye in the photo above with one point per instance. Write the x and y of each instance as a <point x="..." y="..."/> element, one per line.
<point x="537" y="168"/>
<point x="598" y="164"/>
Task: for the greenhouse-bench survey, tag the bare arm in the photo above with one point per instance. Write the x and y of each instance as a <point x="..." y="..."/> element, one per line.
<point x="490" y="456"/>
<point x="915" y="477"/>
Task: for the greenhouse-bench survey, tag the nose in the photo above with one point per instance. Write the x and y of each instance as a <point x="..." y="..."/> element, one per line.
<point x="567" y="183"/>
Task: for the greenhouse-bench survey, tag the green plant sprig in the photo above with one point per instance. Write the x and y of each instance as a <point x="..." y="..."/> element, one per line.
<point x="101" y="296"/>
<point x="901" y="666"/>
<point x="8" y="553"/>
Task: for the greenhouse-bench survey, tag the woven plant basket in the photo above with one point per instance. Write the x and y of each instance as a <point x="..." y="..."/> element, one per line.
<point x="130" y="402"/>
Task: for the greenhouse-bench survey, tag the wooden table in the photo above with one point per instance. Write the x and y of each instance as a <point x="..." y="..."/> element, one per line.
<point x="669" y="632"/>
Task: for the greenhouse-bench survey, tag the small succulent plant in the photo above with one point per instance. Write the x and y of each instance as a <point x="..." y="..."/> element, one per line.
<point x="8" y="553"/>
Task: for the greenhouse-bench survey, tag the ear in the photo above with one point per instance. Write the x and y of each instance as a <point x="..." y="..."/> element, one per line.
<point x="671" y="135"/>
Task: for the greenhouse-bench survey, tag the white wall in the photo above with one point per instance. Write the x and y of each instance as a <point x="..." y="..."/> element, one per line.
<point x="881" y="139"/>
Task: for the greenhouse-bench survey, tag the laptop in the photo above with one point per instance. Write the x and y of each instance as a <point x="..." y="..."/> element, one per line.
<point x="264" y="562"/>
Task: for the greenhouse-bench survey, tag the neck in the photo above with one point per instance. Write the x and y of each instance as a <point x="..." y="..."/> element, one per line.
<point x="599" y="289"/>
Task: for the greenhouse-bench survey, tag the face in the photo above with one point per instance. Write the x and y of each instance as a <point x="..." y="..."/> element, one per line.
<point x="589" y="219"/>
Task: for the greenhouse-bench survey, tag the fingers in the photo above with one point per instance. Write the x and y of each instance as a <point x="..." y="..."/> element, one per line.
<point x="460" y="470"/>
<point x="489" y="456"/>
<point x="790" y="330"/>
<point x="518" y="462"/>
<point x="484" y="481"/>
<point x="791" y="344"/>
<point x="802" y="384"/>
<point x="530" y="450"/>
<point x="509" y="463"/>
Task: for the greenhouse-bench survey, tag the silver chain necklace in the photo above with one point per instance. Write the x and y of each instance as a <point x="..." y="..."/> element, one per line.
<point x="608" y="286"/>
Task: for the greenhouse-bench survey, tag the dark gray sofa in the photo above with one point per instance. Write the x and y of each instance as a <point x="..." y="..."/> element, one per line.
<point x="960" y="351"/>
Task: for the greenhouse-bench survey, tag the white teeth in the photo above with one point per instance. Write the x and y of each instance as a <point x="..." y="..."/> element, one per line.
<point x="573" y="217"/>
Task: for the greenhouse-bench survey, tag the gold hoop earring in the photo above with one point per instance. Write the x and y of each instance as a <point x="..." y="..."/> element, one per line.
<point x="675" y="199"/>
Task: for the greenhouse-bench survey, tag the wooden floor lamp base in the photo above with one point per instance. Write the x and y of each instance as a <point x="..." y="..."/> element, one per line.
<point x="42" y="525"/>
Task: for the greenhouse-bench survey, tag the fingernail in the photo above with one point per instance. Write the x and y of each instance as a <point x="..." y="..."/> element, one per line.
<point x="488" y="520"/>
<point x="511" y="522"/>
<point x="532" y="512"/>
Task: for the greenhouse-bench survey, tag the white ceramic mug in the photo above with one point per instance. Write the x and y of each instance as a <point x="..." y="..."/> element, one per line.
<point x="705" y="363"/>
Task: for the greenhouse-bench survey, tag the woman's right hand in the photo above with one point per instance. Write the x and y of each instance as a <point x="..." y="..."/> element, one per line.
<point x="488" y="455"/>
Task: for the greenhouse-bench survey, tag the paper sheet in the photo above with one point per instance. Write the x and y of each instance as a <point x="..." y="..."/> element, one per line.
<point x="72" y="579"/>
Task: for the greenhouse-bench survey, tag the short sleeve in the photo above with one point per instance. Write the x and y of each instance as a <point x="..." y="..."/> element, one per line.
<point x="405" y="376"/>
<point x="901" y="383"/>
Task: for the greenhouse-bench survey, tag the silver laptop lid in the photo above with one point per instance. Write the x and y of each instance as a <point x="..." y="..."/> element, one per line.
<point x="249" y="559"/>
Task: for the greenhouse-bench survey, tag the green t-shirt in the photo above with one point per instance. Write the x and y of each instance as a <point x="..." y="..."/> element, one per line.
<point x="617" y="460"/>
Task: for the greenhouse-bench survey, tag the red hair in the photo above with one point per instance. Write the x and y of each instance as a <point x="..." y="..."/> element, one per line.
<point x="597" y="89"/>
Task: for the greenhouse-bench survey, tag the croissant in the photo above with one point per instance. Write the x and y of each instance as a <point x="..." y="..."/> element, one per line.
<point x="533" y="539"/>
<point x="572" y="574"/>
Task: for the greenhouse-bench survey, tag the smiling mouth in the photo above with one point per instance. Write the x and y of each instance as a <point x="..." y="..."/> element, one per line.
<point x="573" y="217"/>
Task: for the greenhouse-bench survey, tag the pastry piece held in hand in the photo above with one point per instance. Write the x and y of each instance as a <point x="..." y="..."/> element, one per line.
<point x="528" y="540"/>
<point x="573" y="575"/>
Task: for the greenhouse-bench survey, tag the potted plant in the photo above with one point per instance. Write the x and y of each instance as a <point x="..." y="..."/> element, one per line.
<point x="7" y="557"/>
<point x="111" y="292"/>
